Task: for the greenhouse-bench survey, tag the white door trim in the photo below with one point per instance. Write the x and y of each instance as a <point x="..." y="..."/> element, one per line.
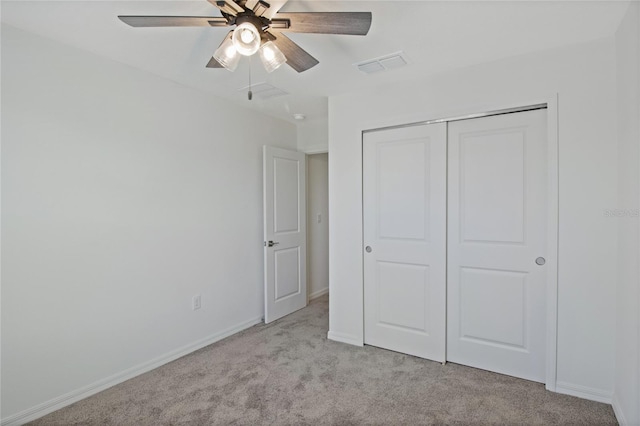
<point x="463" y="117"/>
<point x="552" y="243"/>
<point x="551" y="102"/>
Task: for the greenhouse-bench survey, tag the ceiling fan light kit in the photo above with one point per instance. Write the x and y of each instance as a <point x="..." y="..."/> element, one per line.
<point x="227" y="55"/>
<point x="271" y="56"/>
<point x="260" y="28"/>
<point x="246" y="38"/>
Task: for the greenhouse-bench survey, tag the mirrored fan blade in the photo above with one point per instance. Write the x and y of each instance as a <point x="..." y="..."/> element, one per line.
<point x="174" y="21"/>
<point x="297" y="57"/>
<point x="227" y="6"/>
<point x="352" y="23"/>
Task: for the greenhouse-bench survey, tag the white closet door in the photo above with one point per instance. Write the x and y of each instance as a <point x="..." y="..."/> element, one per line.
<point x="497" y="235"/>
<point x="404" y="172"/>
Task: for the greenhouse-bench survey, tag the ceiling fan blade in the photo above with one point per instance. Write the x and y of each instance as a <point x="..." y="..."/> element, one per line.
<point x="213" y="63"/>
<point x="174" y="21"/>
<point x="297" y="57"/>
<point x="351" y="23"/>
<point x="274" y="7"/>
<point x="229" y="7"/>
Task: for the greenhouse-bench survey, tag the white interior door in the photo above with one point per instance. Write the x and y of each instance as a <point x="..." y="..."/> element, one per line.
<point x="497" y="231"/>
<point x="404" y="172"/>
<point x="285" y="276"/>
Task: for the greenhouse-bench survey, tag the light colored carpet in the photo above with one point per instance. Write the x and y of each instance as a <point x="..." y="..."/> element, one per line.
<point x="287" y="372"/>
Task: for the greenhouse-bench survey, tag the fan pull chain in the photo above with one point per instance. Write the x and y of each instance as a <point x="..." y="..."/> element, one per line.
<point x="250" y="94"/>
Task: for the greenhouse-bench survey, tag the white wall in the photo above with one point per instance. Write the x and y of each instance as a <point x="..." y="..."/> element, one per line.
<point x="626" y="400"/>
<point x="317" y="233"/>
<point x="313" y="135"/>
<point x="584" y="78"/>
<point x="123" y="195"/>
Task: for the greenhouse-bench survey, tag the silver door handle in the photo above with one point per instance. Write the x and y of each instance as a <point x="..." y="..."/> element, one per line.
<point x="271" y="243"/>
<point x="540" y="261"/>
<point x="368" y="249"/>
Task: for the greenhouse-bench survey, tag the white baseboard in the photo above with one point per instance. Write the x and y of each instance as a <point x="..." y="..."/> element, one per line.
<point x="344" y="338"/>
<point x="318" y="293"/>
<point x="584" y="392"/>
<point x="86" y="391"/>
<point x="617" y="410"/>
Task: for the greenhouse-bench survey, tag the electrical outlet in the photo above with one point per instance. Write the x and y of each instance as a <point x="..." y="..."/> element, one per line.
<point x="196" y="302"/>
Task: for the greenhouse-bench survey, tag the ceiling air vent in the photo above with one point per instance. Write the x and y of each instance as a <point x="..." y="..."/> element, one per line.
<point x="264" y="91"/>
<point x="383" y="63"/>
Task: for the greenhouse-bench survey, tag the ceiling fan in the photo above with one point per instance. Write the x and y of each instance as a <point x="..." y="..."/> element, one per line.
<point x="259" y="27"/>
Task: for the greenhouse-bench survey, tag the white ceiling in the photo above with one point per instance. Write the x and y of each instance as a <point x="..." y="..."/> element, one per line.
<point x="436" y="37"/>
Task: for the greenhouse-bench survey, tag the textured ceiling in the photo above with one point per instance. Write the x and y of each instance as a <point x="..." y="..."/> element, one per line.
<point x="435" y="36"/>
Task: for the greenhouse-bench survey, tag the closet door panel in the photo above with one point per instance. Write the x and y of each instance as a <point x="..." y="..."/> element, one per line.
<point x="497" y="230"/>
<point x="404" y="187"/>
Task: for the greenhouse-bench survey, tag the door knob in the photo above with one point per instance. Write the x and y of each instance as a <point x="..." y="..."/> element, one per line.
<point x="272" y="243"/>
<point x="368" y="249"/>
<point x="540" y="261"/>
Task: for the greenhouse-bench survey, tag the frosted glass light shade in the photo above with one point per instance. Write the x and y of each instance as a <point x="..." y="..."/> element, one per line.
<point x="246" y="39"/>
<point x="271" y="56"/>
<point x="227" y="55"/>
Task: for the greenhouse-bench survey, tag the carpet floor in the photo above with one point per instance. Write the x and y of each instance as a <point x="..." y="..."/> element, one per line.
<point x="288" y="373"/>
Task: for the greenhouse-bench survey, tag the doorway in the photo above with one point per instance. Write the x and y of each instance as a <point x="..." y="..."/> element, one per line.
<point x="455" y="241"/>
<point x="318" y="225"/>
<point x="296" y="231"/>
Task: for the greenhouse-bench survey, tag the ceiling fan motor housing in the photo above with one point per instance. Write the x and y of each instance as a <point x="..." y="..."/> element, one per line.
<point x="260" y="23"/>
